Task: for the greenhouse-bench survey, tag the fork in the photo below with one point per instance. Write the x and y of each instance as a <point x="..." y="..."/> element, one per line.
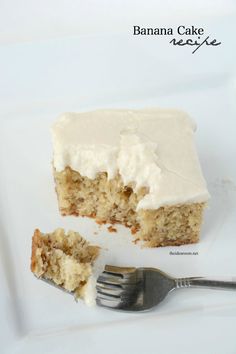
<point x="139" y="289"/>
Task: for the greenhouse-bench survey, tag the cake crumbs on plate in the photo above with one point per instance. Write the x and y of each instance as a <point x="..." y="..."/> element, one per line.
<point x="111" y="228"/>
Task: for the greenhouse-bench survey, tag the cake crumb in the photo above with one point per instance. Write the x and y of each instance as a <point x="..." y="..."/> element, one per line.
<point x="100" y="222"/>
<point x="111" y="229"/>
<point x="134" y="230"/>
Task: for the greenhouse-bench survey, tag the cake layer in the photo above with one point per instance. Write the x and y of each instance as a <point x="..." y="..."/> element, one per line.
<point x="152" y="149"/>
<point x="110" y="201"/>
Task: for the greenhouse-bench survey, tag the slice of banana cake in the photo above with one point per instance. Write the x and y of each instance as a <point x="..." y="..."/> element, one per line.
<point x="139" y="168"/>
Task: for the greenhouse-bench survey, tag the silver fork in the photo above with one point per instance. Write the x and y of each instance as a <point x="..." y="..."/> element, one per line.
<point x="139" y="289"/>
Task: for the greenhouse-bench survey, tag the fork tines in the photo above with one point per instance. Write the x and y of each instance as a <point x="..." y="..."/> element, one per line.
<point x="114" y="285"/>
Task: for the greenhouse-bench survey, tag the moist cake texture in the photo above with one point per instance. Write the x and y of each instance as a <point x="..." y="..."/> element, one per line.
<point x="137" y="168"/>
<point x="65" y="259"/>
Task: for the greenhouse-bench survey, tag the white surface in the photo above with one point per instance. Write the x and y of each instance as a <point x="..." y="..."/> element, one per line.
<point x="39" y="81"/>
<point x="33" y="21"/>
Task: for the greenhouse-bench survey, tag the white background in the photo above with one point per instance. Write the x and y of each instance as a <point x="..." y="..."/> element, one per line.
<point x="29" y="20"/>
<point x="60" y="56"/>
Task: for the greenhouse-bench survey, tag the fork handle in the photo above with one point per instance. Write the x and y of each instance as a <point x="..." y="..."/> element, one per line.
<point x="204" y="283"/>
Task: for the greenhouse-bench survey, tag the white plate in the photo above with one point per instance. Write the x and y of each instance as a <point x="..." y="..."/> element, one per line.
<point x="43" y="79"/>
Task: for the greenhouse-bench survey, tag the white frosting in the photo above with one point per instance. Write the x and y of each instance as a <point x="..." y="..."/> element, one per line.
<point x="90" y="292"/>
<point x="152" y="148"/>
